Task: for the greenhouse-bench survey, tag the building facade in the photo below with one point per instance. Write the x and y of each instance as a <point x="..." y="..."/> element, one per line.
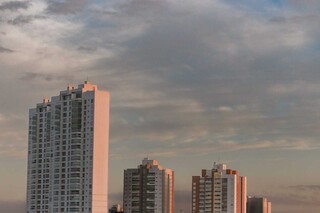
<point x="258" y="205"/>
<point x="68" y="152"/>
<point x="148" y="189"/>
<point x="219" y="190"/>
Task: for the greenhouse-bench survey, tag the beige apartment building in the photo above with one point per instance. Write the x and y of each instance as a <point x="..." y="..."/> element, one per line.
<point x="68" y="152"/>
<point x="149" y="188"/>
<point x="219" y="190"/>
<point x="258" y="205"/>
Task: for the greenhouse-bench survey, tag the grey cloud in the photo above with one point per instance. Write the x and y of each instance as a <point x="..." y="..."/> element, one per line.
<point x="104" y="11"/>
<point x="181" y="138"/>
<point x="15" y="5"/>
<point x="142" y="7"/>
<point x="293" y="203"/>
<point x="87" y="48"/>
<point x="188" y="63"/>
<point x="209" y="60"/>
<point x="171" y="42"/>
<point x="30" y="76"/>
<point x="305" y="187"/>
<point x="22" y="20"/>
<point x="5" y="50"/>
<point x="295" y="199"/>
<point x="311" y="5"/>
<point x="66" y="7"/>
<point x="279" y="19"/>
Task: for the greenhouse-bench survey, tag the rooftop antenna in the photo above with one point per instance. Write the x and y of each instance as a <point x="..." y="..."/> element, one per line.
<point x="87" y="81"/>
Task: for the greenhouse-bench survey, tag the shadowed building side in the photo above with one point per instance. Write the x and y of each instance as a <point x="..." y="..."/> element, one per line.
<point x="148" y="188"/>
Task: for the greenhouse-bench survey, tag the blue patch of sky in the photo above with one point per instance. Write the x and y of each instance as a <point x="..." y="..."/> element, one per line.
<point x="108" y="2"/>
<point x="315" y="47"/>
<point x="102" y="24"/>
<point x="282" y="108"/>
<point x="262" y="6"/>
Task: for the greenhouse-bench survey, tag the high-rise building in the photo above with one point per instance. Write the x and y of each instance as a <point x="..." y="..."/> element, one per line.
<point x="148" y="189"/>
<point x="219" y="190"/>
<point x="258" y="205"/>
<point x="68" y="152"/>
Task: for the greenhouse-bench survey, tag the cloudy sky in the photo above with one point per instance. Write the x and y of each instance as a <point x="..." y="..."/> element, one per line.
<point x="191" y="82"/>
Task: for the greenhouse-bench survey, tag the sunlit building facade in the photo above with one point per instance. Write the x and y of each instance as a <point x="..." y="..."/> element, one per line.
<point x="148" y="189"/>
<point x="68" y="152"/>
<point x="219" y="190"/>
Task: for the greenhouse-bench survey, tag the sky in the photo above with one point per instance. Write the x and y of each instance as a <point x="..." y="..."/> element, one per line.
<point x="191" y="81"/>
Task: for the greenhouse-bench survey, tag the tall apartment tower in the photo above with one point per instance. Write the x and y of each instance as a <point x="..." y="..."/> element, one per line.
<point x="68" y="152"/>
<point x="258" y="205"/>
<point x="148" y="189"/>
<point x="219" y="190"/>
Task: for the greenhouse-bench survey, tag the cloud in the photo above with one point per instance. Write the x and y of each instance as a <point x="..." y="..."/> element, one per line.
<point x="5" y="50"/>
<point x="311" y="5"/>
<point x="294" y="202"/>
<point x="289" y="200"/>
<point x="30" y="76"/>
<point x="22" y="20"/>
<point x="180" y="68"/>
<point x="15" y="5"/>
<point x="66" y="7"/>
<point x="305" y="187"/>
<point x="87" y="49"/>
<point x="225" y="109"/>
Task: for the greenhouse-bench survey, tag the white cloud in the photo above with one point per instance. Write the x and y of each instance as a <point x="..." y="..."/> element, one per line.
<point x="225" y="109"/>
